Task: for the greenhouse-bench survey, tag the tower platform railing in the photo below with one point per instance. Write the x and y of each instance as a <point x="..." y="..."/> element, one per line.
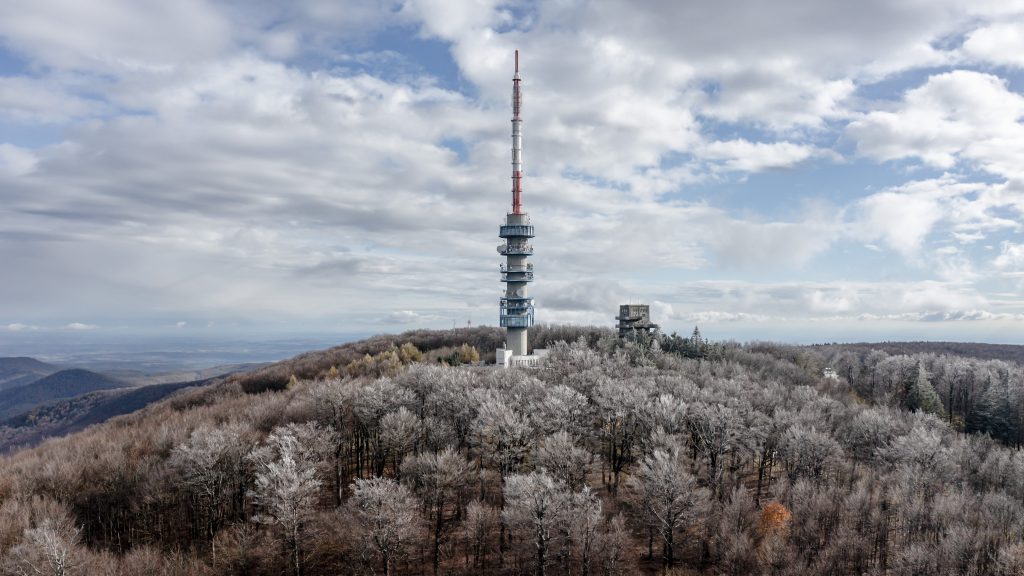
<point x="516" y="321"/>
<point x="515" y="249"/>
<point x="515" y="231"/>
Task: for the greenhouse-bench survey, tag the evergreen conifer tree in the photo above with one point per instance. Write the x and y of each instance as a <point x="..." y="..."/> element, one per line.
<point x="922" y="395"/>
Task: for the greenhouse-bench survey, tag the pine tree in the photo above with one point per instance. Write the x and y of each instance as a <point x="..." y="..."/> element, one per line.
<point x="993" y="412"/>
<point x="922" y="395"/>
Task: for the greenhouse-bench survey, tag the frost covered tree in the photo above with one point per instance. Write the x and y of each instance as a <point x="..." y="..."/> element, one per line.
<point x="333" y="401"/>
<point x="561" y="408"/>
<point x="48" y="548"/>
<point x="286" y="489"/>
<point x="534" y="503"/>
<point x="439" y="479"/>
<point x="211" y="464"/>
<point x="583" y="529"/>
<point x="807" y="453"/>
<point x="670" y="496"/>
<point x="478" y="528"/>
<point x="399" y="435"/>
<point x="622" y="414"/>
<point x="715" y="432"/>
<point x="388" y="522"/>
<point x="564" y="460"/>
<point x="371" y="404"/>
<point x="501" y="435"/>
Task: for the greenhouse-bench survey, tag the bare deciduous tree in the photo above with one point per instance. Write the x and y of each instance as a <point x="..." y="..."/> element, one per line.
<point x="286" y="489"/>
<point x="386" y="514"/>
<point x="438" y="478"/>
<point x="211" y="464"/>
<point x="564" y="460"/>
<point x="670" y="496"/>
<point x="533" y="505"/>
<point x="399" y="434"/>
<point x="48" y="548"/>
<point x="478" y="531"/>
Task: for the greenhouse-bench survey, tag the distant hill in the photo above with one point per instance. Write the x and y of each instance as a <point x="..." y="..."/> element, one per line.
<point x="20" y="371"/>
<point x="56" y="386"/>
<point x="140" y="378"/>
<point x="1005" y="352"/>
<point x="73" y="414"/>
<point x="121" y="393"/>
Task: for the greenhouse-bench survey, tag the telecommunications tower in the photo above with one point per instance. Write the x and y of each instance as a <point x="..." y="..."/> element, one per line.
<point x="516" y="307"/>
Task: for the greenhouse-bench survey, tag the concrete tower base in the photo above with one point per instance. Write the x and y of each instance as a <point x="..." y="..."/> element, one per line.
<point x="506" y="359"/>
<point x="515" y="341"/>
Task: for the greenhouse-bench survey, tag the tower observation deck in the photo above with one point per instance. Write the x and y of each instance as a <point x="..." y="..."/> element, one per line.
<point x="516" y="306"/>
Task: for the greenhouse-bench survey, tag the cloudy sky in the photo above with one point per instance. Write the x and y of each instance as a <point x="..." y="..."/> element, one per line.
<point x="799" y="170"/>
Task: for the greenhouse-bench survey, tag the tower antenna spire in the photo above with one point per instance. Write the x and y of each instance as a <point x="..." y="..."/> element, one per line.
<point x="517" y="143"/>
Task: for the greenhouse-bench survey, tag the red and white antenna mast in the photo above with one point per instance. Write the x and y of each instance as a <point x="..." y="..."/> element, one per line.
<point x="517" y="143"/>
<point x="516" y="307"/>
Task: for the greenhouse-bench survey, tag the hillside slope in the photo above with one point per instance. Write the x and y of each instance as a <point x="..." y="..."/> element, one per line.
<point x="617" y="456"/>
<point x="20" y="371"/>
<point x="56" y="386"/>
<point x="73" y="414"/>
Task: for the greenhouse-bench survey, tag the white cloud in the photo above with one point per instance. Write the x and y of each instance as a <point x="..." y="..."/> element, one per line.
<point x="230" y="174"/>
<point x="45" y="100"/>
<point x="1011" y="257"/>
<point x="772" y="245"/>
<point x="19" y="327"/>
<point x="745" y="156"/>
<point x="16" y="161"/>
<point x="959" y="115"/>
<point x="402" y="317"/>
<point x="779" y="96"/>
<point x="1001" y="43"/>
<point x="902" y="220"/>
<point x="80" y="326"/>
<point x="411" y="317"/>
<point x="968" y="237"/>
<point x="825" y="300"/>
<point x="115" y="33"/>
<point x="907" y="216"/>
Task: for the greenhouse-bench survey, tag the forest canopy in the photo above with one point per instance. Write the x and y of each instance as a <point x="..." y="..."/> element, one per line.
<point x="406" y="455"/>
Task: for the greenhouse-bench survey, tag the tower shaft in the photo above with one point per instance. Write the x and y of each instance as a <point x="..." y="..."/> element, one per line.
<point x="516" y="312"/>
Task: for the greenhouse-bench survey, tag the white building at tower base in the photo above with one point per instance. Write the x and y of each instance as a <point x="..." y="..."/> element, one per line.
<point x="507" y="359"/>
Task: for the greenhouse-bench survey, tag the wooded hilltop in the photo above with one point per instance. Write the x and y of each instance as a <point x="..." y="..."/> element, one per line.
<point x="406" y="455"/>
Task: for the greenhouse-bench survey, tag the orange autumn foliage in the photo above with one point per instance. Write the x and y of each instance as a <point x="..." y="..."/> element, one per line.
<point x="775" y="519"/>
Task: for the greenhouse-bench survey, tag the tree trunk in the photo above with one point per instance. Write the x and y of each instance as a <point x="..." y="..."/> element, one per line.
<point x="437" y="535"/>
<point x="668" y="552"/>
<point x="296" y="552"/>
<point x="760" y="479"/>
<point x="338" y="453"/>
<point x="541" y="551"/>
